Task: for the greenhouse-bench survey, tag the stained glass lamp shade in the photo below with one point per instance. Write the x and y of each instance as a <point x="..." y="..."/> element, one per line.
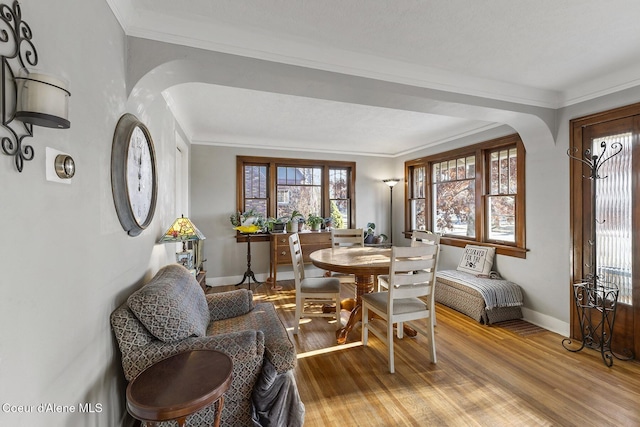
<point x="182" y="230"/>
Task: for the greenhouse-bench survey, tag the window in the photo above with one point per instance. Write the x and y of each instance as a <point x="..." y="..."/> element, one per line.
<point x="417" y="197"/>
<point x="340" y="196"/>
<point x="454" y="209"/>
<point x="324" y="188"/>
<point x="501" y="198"/>
<point x="255" y="188"/>
<point x="303" y="189"/>
<point x="471" y="195"/>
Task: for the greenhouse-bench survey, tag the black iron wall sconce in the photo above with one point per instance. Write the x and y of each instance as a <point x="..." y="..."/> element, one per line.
<point x="27" y="99"/>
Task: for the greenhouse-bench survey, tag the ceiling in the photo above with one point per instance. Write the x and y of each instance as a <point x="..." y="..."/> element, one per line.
<point x="543" y="53"/>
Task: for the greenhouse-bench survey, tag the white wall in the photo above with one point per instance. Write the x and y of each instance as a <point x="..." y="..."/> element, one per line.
<point x="213" y="200"/>
<point x="66" y="261"/>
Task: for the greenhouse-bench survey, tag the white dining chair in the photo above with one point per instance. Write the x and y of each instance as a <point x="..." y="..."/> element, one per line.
<point x="418" y="237"/>
<point x="312" y="289"/>
<point x="424" y="237"/>
<point x="346" y="237"/>
<point x="421" y="237"/>
<point x="349" y="237"/>
<point x="410" y="297"/>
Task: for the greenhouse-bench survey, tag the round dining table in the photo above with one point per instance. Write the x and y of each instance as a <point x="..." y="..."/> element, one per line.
<point x="364" y="263"/>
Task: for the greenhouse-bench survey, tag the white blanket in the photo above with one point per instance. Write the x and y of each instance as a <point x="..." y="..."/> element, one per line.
<point x="496" y="292"/>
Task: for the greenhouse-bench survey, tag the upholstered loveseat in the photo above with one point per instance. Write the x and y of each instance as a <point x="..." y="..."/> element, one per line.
<point x="172" y="314"/>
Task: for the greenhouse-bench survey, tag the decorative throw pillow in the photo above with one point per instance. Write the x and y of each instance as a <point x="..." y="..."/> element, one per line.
<point x="172" y="306"/>
<point x="477" y="260"/>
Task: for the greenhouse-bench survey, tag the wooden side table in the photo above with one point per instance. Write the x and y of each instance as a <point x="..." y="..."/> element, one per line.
<point x="179" y="386"/>
<point x="248" y="275"/>
<point x="201" y="278"/>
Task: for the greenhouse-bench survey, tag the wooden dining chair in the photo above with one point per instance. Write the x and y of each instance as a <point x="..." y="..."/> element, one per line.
<point x="410" y="297"/>
<point x="346" y="237"/>
<point x="312" y="289"/>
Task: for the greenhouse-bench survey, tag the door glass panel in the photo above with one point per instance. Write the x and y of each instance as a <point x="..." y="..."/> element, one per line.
<point x="613" y="215"/>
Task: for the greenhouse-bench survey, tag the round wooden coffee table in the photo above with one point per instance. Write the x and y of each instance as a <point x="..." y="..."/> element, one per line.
<point x="180" y="385"/>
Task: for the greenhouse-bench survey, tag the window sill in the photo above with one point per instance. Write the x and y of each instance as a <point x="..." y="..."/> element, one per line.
<point x="506" y="250"/>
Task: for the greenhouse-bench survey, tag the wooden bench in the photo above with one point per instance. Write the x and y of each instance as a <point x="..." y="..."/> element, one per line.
<point x="459" y="290"/>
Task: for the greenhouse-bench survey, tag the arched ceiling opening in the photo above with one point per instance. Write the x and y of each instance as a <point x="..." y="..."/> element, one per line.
<point x="225" y="99"/>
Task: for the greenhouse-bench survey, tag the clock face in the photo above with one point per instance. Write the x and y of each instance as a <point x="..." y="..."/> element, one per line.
<point x="133" y="174"/>
<point x="139" y="175"/>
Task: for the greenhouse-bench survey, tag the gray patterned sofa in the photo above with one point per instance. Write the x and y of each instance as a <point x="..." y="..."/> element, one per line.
<point x="171" y="314"/>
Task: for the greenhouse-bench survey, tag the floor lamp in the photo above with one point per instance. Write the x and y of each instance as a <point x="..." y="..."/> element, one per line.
<point x="391" y="182"/>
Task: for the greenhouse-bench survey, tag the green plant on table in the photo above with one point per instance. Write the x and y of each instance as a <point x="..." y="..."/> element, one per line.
<point x="371" y="229"/>
<point x="315" y="221"/>
<point x="275" y="223"/>
<point x="296" y="214"/>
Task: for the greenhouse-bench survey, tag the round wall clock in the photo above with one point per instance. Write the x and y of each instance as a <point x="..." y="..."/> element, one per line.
<point x="133" y="174"/>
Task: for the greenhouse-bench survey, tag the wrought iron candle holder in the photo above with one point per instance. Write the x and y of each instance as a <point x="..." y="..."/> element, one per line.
<point x="40" y="100"/>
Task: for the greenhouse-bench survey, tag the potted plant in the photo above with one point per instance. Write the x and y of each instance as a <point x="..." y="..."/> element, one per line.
<point x="250" y="217"/>
<point x="276" y="225"/>
<point x="371" y="237"/>
<point x="370" y="233"/>
<point x="381" y="238"/>
<point x="315" y="222"/>
<point x="328" y="223"/>
<point x="294" y="219"/>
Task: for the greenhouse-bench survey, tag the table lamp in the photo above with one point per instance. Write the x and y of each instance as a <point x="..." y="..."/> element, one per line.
<point x="183" y="230"/>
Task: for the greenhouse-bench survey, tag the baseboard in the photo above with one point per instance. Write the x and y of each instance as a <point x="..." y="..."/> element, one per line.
<point x="261" y="277"/>
<point x="544" y="321"/>
<point x="231" y="280"/>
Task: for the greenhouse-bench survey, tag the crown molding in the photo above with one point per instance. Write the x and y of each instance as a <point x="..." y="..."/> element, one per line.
<point x="124" y="12"/>
<point x="368" y="66"/>
<point x="232" y="40"/>
<point x="264" y="144"/>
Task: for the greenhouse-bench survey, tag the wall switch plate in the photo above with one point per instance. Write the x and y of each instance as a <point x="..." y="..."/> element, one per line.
<point x="50" y="160"/>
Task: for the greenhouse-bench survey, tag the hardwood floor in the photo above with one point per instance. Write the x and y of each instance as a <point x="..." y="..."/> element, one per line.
<point x="485" y="376"/>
